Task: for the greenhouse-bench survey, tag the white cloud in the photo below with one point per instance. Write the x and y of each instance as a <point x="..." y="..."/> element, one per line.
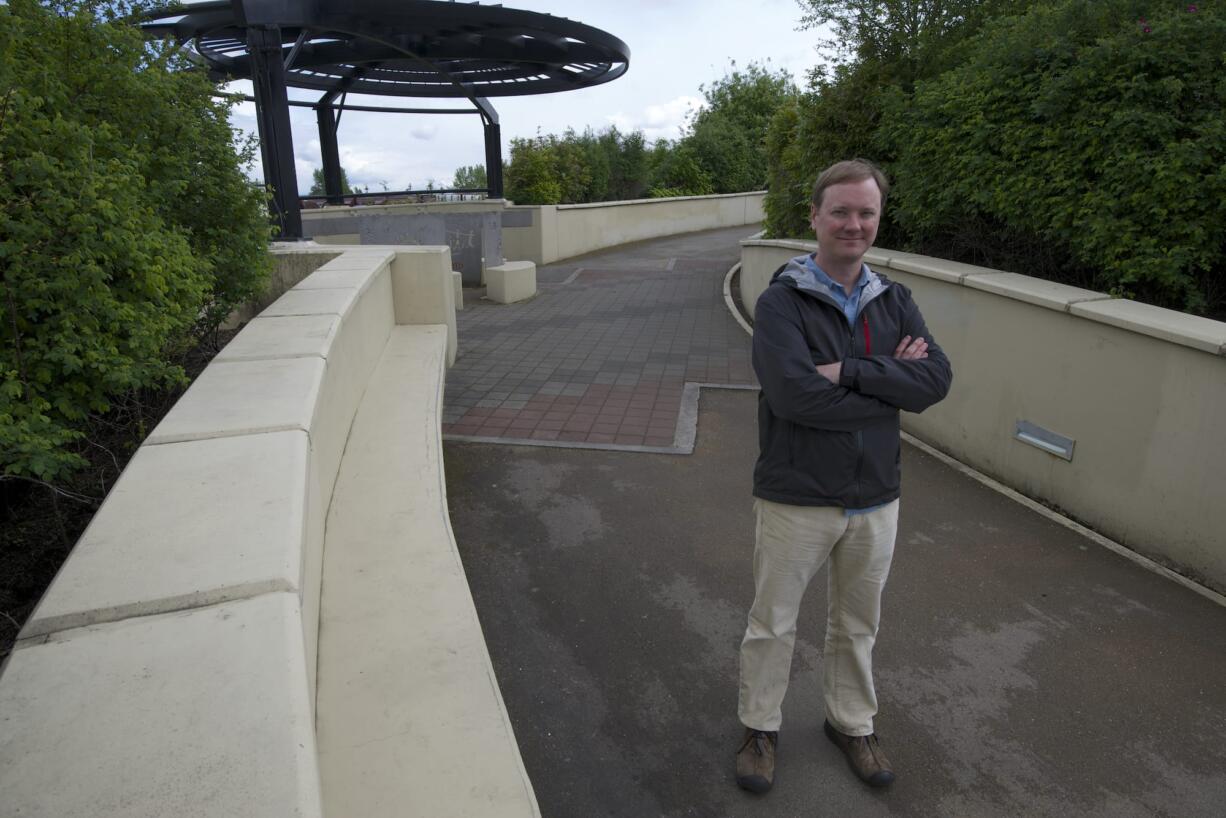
<point x="664" y="120"/>
<point x="424" y="132"/>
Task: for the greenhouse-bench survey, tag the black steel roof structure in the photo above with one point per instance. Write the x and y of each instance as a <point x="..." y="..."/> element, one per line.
<point x="400" y="48"/>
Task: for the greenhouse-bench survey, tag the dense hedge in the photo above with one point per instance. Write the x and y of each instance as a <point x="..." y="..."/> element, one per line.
<point x="1082" y="140"/>
<point x="127" y="228"/>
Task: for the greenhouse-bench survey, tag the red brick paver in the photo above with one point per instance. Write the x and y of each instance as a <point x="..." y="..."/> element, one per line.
<point x="602" y="354"/>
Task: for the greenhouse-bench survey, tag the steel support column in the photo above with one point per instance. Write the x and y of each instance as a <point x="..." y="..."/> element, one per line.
<point x="493" y="147"/>
<point x="329" y="151"/>
<point x="276" y="139"/>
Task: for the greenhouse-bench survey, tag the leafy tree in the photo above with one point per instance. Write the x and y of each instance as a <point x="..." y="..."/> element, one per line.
<point x="676" y="172"/>
<point x="125" y="223"/>
<point x="911" y="37"/>
<point x="628" y="164"/>
<point x="469" y="177"/>
<point x="728" y="135"/>
<point x="530" y="176"/>
<point x="878" y="48"/>
<point x="319" y="187"/>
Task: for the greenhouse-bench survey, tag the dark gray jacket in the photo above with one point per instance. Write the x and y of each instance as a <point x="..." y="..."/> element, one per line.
<point x="826" y="444"/>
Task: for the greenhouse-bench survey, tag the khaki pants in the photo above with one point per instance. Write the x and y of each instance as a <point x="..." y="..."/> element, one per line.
<point x="792" y="542"/>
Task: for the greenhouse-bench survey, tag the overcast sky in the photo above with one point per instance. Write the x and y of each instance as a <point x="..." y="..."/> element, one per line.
<point x="675" y="46"/>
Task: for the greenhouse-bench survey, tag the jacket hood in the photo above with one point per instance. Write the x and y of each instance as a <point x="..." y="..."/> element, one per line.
<point x="797" y="273"/>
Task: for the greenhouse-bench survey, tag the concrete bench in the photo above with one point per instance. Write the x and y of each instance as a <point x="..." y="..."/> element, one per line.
<point x="510" y="282"/>
<point x="411" y="721"/>
<point x="171" y="667"/>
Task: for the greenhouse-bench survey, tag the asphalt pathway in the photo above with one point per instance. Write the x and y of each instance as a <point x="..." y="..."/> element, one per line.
<point x="1022" y="670"/>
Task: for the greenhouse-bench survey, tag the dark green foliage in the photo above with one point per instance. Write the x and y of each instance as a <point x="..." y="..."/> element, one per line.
<point x="878" y="48"/>
<point x="676" y="172"/>
<point x="836" y="119"/>
<point x="125" y="225"/>
<point x="727" y="137"/>
<point x="1079" y="140"/>
<point x="1083" y="126"/>
<point x="909" y="39"/>
<point x="587" y="167"/>
<point x="318" y="184"/>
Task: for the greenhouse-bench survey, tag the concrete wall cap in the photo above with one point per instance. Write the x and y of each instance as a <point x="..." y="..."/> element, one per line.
<point x="799" y="245"/>
<point x="353" y="212"/>
<point x="245" y="398"/>
<point x="136" y="558"/>
<point x="954" y="272"/>
<point x="286" y="336"/>
<point x="1193" y="331"/>
<point x="355" y="272"/>
<point x="1036" y="291"/>
<point x="662" y="201"/>
<point x="302" y="248"/>
<point x="334" y="301"/>
<point x="197" y="713"/>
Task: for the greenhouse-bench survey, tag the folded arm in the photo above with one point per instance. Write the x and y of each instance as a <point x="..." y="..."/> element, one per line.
<point x="915" y="377"/>
<point x="795" y="390"/>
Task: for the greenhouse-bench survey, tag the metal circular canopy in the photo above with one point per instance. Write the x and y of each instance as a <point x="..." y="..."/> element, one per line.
<point x="408" y="48"/>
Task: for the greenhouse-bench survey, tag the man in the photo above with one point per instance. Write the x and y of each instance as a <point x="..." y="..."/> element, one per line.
<point x="838" y="351"/>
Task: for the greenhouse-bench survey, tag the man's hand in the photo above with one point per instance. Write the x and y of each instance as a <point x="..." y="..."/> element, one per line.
<point x="909" y="350"/>
<point x="831" y="372"/>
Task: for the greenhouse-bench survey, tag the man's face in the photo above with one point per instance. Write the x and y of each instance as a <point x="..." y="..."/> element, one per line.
<point x="846" y="222"/>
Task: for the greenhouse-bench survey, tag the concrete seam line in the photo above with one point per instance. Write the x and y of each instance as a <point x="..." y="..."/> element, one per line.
<point x="740" y="319"/>
<point x="1072" y="525"/>
<point x="64" y="626"/>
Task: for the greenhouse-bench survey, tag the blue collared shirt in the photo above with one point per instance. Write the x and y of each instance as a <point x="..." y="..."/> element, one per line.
<point x="850" y="304"/>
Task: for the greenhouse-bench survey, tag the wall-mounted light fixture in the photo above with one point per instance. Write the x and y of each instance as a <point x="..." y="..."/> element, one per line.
<point x="1041" y="438"/>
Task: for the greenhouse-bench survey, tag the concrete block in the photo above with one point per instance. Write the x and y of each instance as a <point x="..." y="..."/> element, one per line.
<point x="511" y="281"/>
<point x="424" y="292"/>
<point x="197" y="713"/>
<point x="243" y="398"/>
<point x="187" y="524"/>
<point x="1031" y="290"/>
<point x="954" y="272"/>
<point x="457" y="281"/>
<point x="266" y="338"/>
<point x="1193" y="331"/>
<point x="347" y="270"/>
<point x="312" y="302"/>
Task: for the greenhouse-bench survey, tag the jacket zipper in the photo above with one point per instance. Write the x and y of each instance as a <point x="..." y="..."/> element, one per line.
<point x="859" y="433"/>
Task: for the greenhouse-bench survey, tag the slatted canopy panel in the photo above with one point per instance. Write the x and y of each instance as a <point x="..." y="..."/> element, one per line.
<point x="398" y="48"/>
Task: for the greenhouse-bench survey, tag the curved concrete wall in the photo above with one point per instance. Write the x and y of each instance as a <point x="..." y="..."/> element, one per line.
<point x="546" y="233"/>
<point x="1139" y="389"/>
<point x="170" y="669"/>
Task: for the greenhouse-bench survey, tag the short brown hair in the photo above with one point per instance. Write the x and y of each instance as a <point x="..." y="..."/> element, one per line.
<point x="850" y="170"/>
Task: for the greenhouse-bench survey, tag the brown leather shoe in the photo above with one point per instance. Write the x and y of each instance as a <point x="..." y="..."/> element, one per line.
<point x="864" y="755"/>
<point x="755" y="761"/>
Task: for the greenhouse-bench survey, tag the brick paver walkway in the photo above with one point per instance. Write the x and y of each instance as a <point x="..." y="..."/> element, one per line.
<point x="602" y="355"/>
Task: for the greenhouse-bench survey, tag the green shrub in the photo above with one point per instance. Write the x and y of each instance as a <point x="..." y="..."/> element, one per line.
<point x="1093" y="125"/>
<point x="126" y="225"/>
